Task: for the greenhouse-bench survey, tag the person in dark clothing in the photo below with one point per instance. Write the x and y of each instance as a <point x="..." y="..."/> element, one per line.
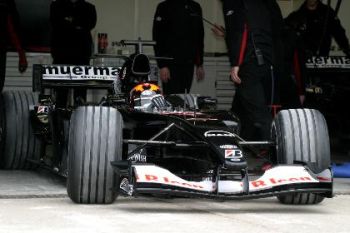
<point x="9" y="35"/>
<point x="179" y="32"/>
<point x="255" y="47"/>
<point x="72" y="22"/>
<point x="292" y="87"/>
<point x="71" y="42"/>
<point x="317" y="24"/>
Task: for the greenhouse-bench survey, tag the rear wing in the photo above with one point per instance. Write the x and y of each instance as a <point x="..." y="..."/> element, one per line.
<point x="57" y="76"/>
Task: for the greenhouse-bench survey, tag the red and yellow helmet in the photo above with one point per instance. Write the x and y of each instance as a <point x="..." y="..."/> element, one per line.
<point x="146" y="86"/>
<point x="143" y="90"/>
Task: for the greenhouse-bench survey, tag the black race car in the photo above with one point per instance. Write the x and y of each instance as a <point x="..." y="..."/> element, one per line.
<point x="134" y="141"/>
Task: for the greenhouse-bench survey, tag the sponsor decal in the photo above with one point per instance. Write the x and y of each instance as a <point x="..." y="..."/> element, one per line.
<point x="43" y="109"/>
<point x="218" y="133"/>
<point x="229" y="153"/>
<point x="228" y="146"/>
<point x="234" y="154"/>
<point x="168" y="180"/>
<point x="328" y="62"/>
<point x="79" y="73"/>
<point x="139" y="157"/>
<point x="275" y="181"/>
<point x="187" y="113"/>
<point x="155" y="174"/>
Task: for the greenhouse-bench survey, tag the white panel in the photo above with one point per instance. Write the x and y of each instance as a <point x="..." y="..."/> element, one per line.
<point x="17" y="81"/>
<point x="115" y="17"/>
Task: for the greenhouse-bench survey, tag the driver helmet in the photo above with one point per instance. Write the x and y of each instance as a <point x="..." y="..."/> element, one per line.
<point x="141" y="95"/>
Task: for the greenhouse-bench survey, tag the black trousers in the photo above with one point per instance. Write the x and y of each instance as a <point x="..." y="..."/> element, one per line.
<point x="289" y="97"/>
<point x="252" y="100"/>
<point x="2" y="68"/>
<point x="181" y="79"/>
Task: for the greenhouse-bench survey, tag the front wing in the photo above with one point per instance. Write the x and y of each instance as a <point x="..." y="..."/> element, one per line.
<point x="282" y="179"/>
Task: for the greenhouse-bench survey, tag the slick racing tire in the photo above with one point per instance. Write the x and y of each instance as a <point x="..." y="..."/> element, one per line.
<point x="301" y="135"/>
<point x="95" y="140"/>
<point x="18" y="142"/>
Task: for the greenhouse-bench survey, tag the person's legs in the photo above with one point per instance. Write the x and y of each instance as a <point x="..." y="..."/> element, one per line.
<point x="251" y="105"/>
<point x="289" y="97"/>
<point x="188" y="77"/>
<point x="181" y="79"/>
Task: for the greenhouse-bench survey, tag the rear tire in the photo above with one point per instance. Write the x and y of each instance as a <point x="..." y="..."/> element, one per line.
<point x="301" y="135"/>
<point x="18" y="142"/>
<point x="95" y="140"/>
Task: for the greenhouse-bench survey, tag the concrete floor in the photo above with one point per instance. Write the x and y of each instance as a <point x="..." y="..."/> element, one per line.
<point x="173" y="215"/>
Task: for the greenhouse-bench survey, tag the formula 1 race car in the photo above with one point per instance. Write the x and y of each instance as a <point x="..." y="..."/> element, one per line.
<point x="134" y="141"/>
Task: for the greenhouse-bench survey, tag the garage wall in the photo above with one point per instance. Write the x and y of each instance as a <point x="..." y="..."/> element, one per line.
<point x="130" y="19"/>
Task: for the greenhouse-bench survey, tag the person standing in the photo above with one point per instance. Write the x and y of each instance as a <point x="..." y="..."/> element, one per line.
<point x="317" y="24"/>
<point x="71" y="40"/>
<point x="255" y="48"/>
<point x="179" y="33"/>
<point x="9" y="27"/>
<point x="292" y="87"/>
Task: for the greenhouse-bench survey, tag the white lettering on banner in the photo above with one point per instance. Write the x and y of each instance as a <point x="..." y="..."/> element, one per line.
<point x="280" y="175"/>
<point x="79" y="73"/>
<point x="218" y="133"/>
<point x="328" y="62"/>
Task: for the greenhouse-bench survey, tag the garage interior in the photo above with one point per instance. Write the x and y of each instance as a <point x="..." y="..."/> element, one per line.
<point x="132" y="19"/>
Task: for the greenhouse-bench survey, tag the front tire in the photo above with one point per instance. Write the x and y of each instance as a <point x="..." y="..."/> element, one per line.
<point x="301" y="135"/>
<point x="95" y="140"/>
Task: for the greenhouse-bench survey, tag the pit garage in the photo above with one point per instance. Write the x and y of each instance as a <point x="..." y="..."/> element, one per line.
<point x="113" y="147"/>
